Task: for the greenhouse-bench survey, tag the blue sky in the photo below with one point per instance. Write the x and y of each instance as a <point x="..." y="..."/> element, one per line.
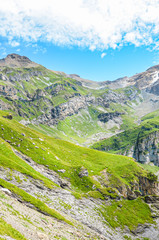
<point x="97" y="39"/>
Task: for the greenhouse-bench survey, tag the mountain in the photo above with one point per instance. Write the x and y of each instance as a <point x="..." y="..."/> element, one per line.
<point x="51" y="186"/>
<point x="17" y="61"/>
<point x="71" y="108"/>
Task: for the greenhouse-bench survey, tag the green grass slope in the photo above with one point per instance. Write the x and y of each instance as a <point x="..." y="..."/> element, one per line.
<point x="57" y="155"/>
<point x="10" y="160"/>
<point x="127" y="213"/>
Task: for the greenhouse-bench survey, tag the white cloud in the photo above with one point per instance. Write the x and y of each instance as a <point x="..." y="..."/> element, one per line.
<point x="14" y="43"/>
<point x="96" y="24"/>
<point x="103" y="55"/>
<point x="36" y="48"/>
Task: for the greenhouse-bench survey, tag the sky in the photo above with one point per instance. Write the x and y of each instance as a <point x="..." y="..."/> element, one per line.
<point x="96" y="39"/>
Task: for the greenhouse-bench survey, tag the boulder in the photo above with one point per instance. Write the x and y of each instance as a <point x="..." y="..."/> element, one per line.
<point x="83" y="172"/>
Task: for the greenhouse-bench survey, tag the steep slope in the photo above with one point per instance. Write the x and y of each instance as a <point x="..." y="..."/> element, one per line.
<point x="73" y="184"/>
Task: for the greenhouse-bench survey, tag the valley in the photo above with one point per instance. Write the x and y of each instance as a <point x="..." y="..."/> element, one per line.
<point x="78" y="159"/>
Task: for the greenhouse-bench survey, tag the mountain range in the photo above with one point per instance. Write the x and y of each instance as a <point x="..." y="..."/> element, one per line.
<point x="78" y="159"/>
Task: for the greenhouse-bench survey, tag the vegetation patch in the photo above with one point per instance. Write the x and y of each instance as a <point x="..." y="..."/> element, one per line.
<point x="7" y="230"/>
<point x="20" y="165"/>
<point x="82" y="125"/>
<point x="151" y="168"/>
<point x="128" y="213"/>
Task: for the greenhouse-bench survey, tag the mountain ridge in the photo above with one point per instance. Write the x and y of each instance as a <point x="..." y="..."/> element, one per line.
<point x="15" y="60"/>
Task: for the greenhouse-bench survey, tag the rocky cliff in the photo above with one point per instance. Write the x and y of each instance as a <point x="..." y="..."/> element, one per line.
<point x="146" y="149"/>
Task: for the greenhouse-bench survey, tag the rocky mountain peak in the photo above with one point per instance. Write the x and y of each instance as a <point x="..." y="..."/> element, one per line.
<point x="15" y="60"/>
<point x="153" y="68"/>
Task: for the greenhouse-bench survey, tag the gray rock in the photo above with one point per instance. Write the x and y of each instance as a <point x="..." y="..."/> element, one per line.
<point x="105" y="117"/>
<point x="151" y="199"/>
<point x="140" y="229"/>
<point x="5" y="190"/>
<point x="83" y="172"/>
<point x="61" y="170"/>
<point x="146" y="149"/>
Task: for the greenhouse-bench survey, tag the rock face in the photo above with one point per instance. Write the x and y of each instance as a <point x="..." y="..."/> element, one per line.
<point x="148" y="186"/>
<point x="71" y="107"/>
<point x="64" y="110"/>
<point x="147" y="149"/>
<point x="154" y="89"/>
<point x="38" y="94"/>
<point x="8" y="91"/>
<point x="105" y="117"/>
<point x="83" y="172"/>
<point x="77" y="102"/>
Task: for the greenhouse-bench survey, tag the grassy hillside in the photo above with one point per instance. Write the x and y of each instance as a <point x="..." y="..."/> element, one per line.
<point x="58" y="154"/>
<point x="106" y="173"/>
<point x="150" y="115"/>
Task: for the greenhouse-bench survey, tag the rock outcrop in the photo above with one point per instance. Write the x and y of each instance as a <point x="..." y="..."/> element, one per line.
<point x="64" y="110"/>
<point x="154" y="89"/>
<point x="8" y="91"/>
<point x="105" y="117"/>
<point x="147" y="149"/>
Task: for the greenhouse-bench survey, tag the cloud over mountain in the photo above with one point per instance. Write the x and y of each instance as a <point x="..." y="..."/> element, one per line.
<point x="96" y="24"/>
